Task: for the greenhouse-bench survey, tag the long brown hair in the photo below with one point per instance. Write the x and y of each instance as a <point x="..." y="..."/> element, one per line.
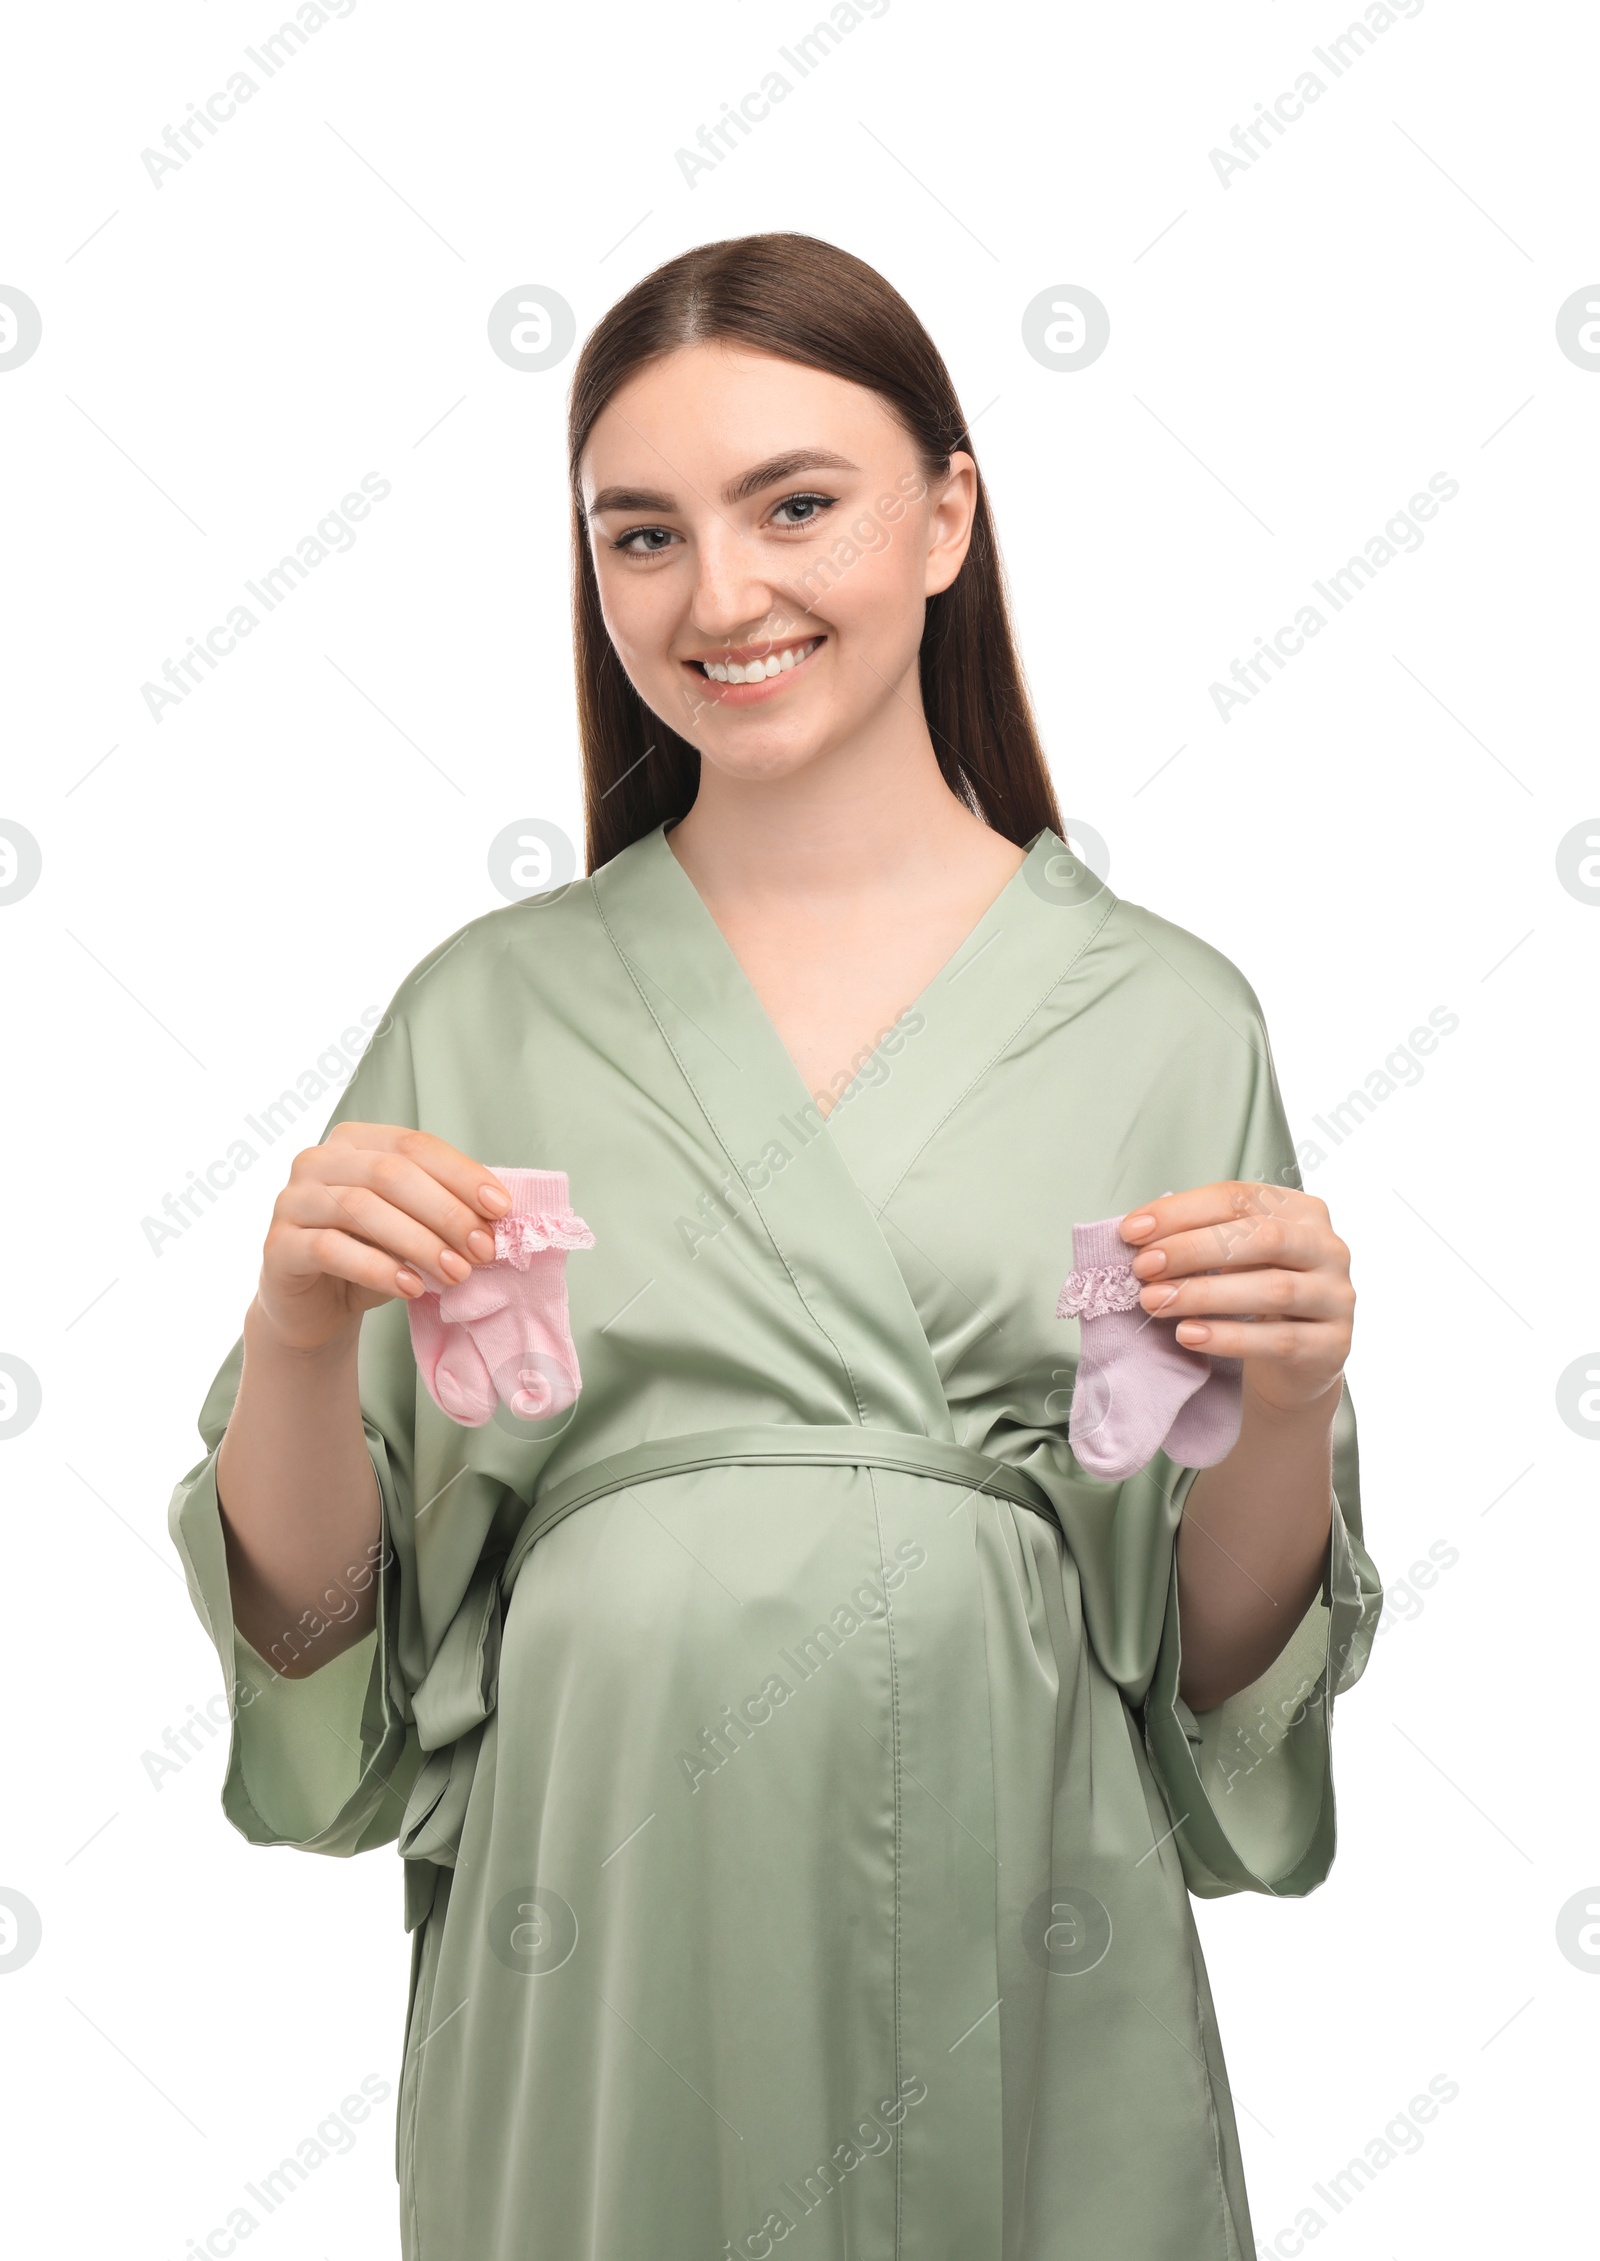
<point x="811" y="303"/>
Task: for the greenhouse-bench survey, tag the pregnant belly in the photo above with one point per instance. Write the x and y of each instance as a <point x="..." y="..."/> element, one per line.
<point x="677" y="1628"/>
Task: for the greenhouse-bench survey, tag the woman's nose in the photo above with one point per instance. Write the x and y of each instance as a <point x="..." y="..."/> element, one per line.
<point x="735" y="599"/>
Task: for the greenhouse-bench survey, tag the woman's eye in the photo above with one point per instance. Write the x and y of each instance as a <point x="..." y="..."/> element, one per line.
<point x="810" y="508"/>
<point x="652" y="540"/>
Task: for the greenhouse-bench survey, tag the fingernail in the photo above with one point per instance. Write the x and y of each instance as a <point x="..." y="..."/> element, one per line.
<point x="1193" y="1331"/>
<point x="1148" y="1263"/>
<point x="481" y="1244"/>
<point x="1132" y="1227"/>
<point x="1163" y="1296"/>
<point x="409" y="1284"/>
<point x="453" y="1265"/>
<point x="494" y="1198"/>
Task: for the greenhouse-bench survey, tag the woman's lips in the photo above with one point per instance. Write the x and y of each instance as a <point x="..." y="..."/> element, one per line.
<point x="750" y="694"/>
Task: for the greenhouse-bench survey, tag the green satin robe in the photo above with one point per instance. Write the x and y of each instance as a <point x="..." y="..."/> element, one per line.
<point x="799" y="1823"/>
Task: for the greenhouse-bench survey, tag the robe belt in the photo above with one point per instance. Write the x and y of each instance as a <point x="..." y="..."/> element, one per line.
<point x="452" y="1703"/>
<point x="772" y="1445"/>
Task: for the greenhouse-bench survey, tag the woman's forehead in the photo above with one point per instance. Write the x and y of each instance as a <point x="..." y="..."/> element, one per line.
<point x="729" y="405"/>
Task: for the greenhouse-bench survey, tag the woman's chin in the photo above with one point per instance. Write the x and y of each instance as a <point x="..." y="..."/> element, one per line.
<point x="757" y="764"/>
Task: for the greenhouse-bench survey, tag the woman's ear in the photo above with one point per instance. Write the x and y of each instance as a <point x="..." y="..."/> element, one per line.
<point x="952" y="506"/>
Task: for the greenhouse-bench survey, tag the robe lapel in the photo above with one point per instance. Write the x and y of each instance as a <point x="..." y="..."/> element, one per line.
<point x="974" y="1008"/>
<point x="772" y="1145"/>
<point x="817" y="1183"/>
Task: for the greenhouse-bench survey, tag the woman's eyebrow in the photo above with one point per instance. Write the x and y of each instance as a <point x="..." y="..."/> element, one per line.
<point x="631" y="498"/>
<point x="785" y="466"/>
<point x="748" y="483"/>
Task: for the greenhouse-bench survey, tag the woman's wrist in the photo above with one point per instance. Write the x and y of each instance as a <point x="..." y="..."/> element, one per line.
<point x="264" y="1338"/>
<point x="1311" y="1418"/>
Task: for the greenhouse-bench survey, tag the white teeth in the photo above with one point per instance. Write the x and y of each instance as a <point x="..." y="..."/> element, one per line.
<point x="758" y="671"/>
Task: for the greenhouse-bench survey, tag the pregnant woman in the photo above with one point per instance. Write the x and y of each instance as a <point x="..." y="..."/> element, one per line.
<point x="808" y="1678"/>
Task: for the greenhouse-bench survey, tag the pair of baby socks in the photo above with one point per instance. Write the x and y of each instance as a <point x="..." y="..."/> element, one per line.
<point x="1138" y="1390"/>
<point x="503" y="1335"/>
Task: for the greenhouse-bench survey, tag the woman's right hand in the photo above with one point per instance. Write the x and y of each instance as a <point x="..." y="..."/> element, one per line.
<point x="359" y="1214"/>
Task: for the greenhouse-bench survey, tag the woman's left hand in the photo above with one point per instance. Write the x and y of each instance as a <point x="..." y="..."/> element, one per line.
<point x="1218" y="1252"/>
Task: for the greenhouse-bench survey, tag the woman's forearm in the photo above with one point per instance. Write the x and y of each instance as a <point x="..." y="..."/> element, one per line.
<point x="1253" y="1547"/>
<point x="301" y="1516"/>
<point x="1253" y="1271"/>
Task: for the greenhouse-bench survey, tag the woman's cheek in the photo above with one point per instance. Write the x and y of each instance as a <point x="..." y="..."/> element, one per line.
<point x="877" y="600"/>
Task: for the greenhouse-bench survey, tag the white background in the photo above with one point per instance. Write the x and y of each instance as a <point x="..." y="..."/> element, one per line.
<point x="1292" y="356"/>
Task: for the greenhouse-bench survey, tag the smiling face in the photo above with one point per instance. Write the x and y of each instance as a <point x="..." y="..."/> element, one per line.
<point x="764" y="540"/>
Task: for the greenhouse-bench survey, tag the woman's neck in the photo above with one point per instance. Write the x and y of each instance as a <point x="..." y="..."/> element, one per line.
<point x="850" y="823"/>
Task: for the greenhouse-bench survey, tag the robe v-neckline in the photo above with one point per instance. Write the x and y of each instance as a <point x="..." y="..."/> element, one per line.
<point x="957" y="1033"/>
<point x="961" y="951"/>
<point x="818" y="1183"/>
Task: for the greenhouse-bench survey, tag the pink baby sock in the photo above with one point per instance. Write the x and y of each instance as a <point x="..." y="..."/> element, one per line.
<point x="1136" y="1382"/>
<point x="448" y="1360"/>
<point x="504" y="1334"/>
<point x="1206" y="1427"/>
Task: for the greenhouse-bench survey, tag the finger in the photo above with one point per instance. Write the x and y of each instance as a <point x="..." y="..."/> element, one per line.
<point x="472" y="1183"/>
<point x="361" y="1213"/>
<point x="1272" y="1293"/>
<point x="1289" y="1342"/>
<point x="406" y="1179"/>
<point x="1240" y="1243"/>
<point x="325" y="1252"/>
<point x="1228" y="1206"/>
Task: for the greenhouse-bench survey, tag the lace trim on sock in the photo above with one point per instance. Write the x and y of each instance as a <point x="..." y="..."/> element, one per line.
<point x="517" y="1240"/>
<point x="1098" y="1290"/>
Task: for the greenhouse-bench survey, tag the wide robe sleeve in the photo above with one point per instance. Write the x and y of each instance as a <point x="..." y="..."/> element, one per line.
<point x="325" y="1761"/>
<point x="1249" y="1783"/>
